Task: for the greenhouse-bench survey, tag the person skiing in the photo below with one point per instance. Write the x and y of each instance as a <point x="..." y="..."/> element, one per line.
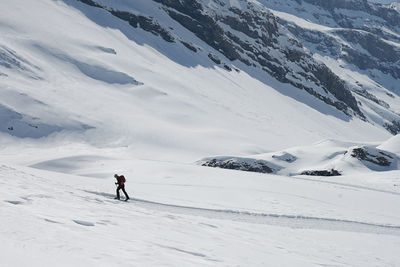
<point x="121" y="185"/>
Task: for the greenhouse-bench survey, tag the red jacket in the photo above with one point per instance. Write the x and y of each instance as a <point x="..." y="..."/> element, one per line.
<point x="121" y="180"/>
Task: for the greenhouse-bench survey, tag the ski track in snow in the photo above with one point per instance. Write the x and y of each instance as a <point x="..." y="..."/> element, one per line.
<point x="79" y="85"/>
<point x="283" y="220"/>
<point x="348" y="185"/>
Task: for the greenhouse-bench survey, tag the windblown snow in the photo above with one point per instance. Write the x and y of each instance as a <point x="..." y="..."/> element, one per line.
<point x="83" y="95"/>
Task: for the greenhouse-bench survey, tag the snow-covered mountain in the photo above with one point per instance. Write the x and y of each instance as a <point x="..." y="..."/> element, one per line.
<point x="301" y="43"/>
<point x="296" y="102"/>
<point x="322" y="47"/>
<point x="253" y="63"/>
<point x="358" y="40"/>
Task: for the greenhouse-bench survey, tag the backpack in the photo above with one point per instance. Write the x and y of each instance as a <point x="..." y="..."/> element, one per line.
<point x="123" y="180"/>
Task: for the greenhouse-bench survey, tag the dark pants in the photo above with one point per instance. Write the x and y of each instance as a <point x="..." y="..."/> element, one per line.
<point x="121" y="186"/>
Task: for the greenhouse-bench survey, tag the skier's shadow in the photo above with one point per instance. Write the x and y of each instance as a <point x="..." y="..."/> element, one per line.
<point x="100" y="193"/>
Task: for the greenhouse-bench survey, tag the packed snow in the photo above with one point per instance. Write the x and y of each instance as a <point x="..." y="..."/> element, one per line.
<point x="81" y="102"/>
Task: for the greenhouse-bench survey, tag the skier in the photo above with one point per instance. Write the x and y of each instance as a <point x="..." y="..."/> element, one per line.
<point x="121" y="185"/>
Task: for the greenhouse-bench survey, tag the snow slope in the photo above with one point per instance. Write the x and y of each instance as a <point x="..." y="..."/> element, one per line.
<point x="345" y="158"/>
<point x="191" y="215"/>
<point x="83" y="96"/>
<point x="89" y="75"/>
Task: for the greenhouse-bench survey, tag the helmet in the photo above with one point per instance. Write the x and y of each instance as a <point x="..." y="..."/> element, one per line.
<point x="115" y="175"/>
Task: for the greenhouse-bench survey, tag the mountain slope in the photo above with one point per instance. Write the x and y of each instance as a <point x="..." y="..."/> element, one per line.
<point x="93" y="88"/>
<point x="80" y="79"/>
<point x="249" y="33"/>
<point x="104" y="82"/>
<point x="358" y="41"/>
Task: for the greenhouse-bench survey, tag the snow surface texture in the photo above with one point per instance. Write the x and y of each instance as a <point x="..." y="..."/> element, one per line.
<point x="107" y="83"/>
<point x="325" y="156"/>
<point x="99" y="97"/>
<point x="191" y="215"/>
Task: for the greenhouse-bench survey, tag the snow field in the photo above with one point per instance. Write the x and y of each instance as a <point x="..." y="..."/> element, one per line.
<point x="109" y="98"/>
<point x="182" y="214"/>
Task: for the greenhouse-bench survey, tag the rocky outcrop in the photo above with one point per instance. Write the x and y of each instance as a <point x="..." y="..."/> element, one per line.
<point x="362" y="34"/>
<point x="262" y="39"/>
<point x="390" y="15"/>
<point x="242" y="164"/>
<point x="381" y="54"/>
<point x="373" y="156"/>
<point x="334" y="159"/>
<point x="376" y="54"/>
<point x="253" y="36"/>
<point x="393" y="127"/>
<point x="331" y="172"/>
<point x="287" y="157"/>
<point x="146" y="23"/>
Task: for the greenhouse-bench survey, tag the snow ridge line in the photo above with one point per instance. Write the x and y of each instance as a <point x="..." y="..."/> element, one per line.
<point x="283" y="220"/>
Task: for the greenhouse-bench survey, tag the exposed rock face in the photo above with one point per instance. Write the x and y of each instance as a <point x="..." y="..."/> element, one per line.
<point x="285" y="157"/>
<point x="379" y="157"/>
<point x="331" y="172"/>
<point x="145" y="23"/>
<point x="242" y="164"/>
<point x="250" y="35"/>
<point x="361" y="34"/>
<point x="376" y="53"/>
<point x="390" y="15"/>
<point x="255" y="37"/>
<point x="331" y="158"/>
<point x="393" y="127"/>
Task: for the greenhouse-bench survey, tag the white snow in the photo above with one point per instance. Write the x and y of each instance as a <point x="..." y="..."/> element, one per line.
<point x="191" y="215"/>
<point x="392" y="145"/>
<point x="301" y="22"/>
<point x="88" y="96"/>
<point x="383" y="1"/>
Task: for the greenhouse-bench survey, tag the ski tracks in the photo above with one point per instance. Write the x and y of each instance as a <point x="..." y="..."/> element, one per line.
<point x="281" y="220"/>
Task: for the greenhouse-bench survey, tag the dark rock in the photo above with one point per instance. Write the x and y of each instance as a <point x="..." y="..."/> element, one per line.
<point x="331" y="5"/>
<point x="285" y="157"/>
<point x="258" y="39"/>
<point x="227" y="67"/>
<point x="371" y="97"/>
<point x="91" y="3"/>
<point x="261" y="26"/>
<point x="337" y="87"/>
<point x="380" y="51"/>
<point x="381" y="158"/>
<point x="241" y="164"/>
<point x="394" y="127"/>
<point x="189" y="46"/>
<point x="207" y="30"/>
<point x="331" y="172"/>
<point x="214" y="58"/>
<point x="145" y="23"/>
<point x="390" y="95"/>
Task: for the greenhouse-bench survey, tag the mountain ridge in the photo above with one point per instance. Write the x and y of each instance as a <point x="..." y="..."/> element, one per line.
<point x="209" y="24"/>
<point x="187" y="88"/>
